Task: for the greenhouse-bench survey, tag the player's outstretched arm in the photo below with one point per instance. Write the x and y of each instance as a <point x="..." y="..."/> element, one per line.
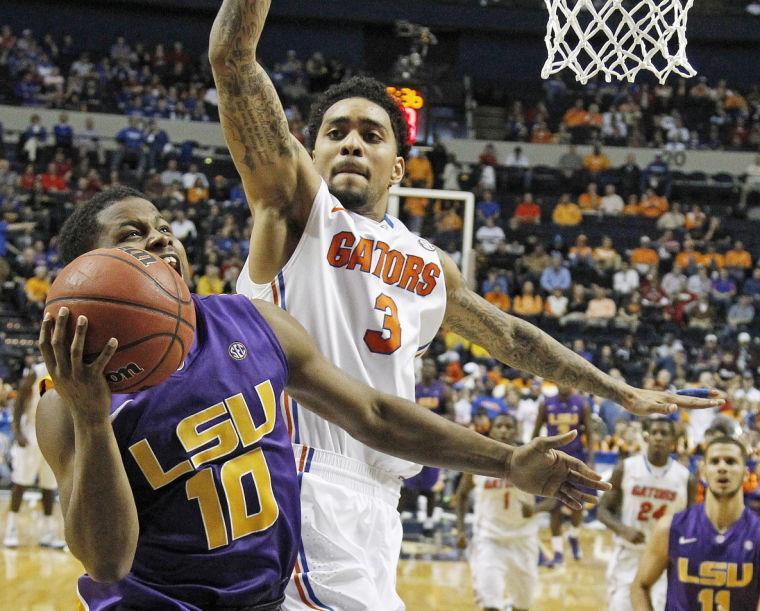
<point x="653" y="562"/>
<point x="277" y="173"/>
<point x="466" y="485"/>
<point x="76" y="438"/>
<point x="404" y="429"/>
<point x="524" y="346"/>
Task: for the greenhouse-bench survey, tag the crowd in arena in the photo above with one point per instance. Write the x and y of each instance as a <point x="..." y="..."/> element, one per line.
<point x="651" y="289"/>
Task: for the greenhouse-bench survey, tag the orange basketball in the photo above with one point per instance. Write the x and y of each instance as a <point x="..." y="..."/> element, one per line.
<point x="136" y="297"/>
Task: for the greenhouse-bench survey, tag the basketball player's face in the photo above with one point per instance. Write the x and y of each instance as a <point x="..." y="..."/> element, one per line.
<point x="725" y="470"/>
<point x="503" y="429"/>
<point x="355" y="152"/>
<point x="661" y="441"/>
<point x="137" y="223"/>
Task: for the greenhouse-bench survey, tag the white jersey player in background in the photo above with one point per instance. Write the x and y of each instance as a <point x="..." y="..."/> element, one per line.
<point x="28" y="465"/>
<point x="371" y="293"/>
<point x="503" y="552"/>
<point x="645" y="487"/>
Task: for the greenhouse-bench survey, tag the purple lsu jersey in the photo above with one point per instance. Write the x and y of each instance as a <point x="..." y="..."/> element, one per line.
<point x="709" y="570"/>
<point x="431" y="396"/>
<point x="564" y="414"/>
<point x="212" y="471"/>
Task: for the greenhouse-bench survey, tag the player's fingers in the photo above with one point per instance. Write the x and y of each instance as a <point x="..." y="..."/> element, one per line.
<point x="99" y="364"/>
<point x="578" y="494"/>
<point x="43" y="343"/>
<point x="591" y="480"/>
<point x="77" y="344"/>
<point x="568" y="500"/>
<point x="556" y="441"/>
<point x="58" y="342"/>
<point x="698" y="398"/>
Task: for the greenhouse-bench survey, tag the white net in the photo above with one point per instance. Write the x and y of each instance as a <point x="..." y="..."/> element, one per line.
<point x="617" y="38"/>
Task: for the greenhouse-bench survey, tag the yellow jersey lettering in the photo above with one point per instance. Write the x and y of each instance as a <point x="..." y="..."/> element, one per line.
<point x="733" y="581"/>
<point x="247" y="430"/>
<point x="223" y="433"/>
<point x="151" y="468"/>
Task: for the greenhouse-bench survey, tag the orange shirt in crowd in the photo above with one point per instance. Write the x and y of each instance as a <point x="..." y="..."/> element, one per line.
<point x="529" y="212"/>
<point x="596" y="163"/>
<point x="500" y="300"/>
<point x="683" y="258"/>
<point x="575" y="117"/>
<point x="587" y="201"/>
<point x="653" y="207"/>
<point x="196" y="195"/>
<point x="528" y="305"/>
<point x="540" y="135"/>
<point x="714" y="259"/>
<point x="568" y="214"/>
<point x="415" y="206"/>
<point x="644" y="256"/>
<point x="739" y="259"/>
<point x="418" y="169"/>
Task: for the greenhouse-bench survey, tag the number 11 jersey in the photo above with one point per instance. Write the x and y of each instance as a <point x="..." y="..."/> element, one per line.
<point x="372" y="295"/>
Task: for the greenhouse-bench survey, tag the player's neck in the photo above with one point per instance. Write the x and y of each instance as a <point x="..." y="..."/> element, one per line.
<point x="723" y="512"/>
<point x="657" y="461"/>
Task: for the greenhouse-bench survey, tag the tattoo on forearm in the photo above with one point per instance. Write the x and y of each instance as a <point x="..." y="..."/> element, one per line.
<point x="522" y="345"/>
<point x="252" y="115"/>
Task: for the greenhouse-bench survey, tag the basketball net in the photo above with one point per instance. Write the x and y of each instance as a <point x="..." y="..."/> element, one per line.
<point x="618" y="39"/>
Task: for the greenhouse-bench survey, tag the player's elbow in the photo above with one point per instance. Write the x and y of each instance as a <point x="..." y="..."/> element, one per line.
<point x="371" y="421"/>
<point x="109" y="570"/>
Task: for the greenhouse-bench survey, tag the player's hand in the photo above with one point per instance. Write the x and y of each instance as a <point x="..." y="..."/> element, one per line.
<point x="540" y="468"/>
<point x="647" y="402"/>
<point x="83" y="387"/>
<point x="527" y="510"/>
<point x="632" y="535"/>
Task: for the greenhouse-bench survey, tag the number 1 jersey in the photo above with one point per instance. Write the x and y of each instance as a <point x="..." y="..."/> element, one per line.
<point x="372" y="295"/>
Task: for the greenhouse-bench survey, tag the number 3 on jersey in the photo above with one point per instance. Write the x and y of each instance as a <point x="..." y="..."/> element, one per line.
<point x="388" y="340"/>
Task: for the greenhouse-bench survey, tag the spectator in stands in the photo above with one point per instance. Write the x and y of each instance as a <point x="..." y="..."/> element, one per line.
<point x="576" y="307"/>
<point x="629" y="313"/>
<point x="33" y="140"/>
<point x="629" y="176"/>
<point x="600" y="309"/>
<point x="722" y="290"/>
<point x="672" y="219"/>
<point x="36" y="289"/>
<point x="570" y="164"/>
<point x="738" y="261"/>
<point x="88" y="143"/>
<point x="652" y="205"/>
<point x="63" y="134"/>
<point x="536" y="262"/>
<point x="581" y="254"/>
<point x="566" y="213"/>
<point x="493" y="278"/>
<point x="644" y="258"/>
<point x="449" y="225"/>
<point x="657" y="176"/>
<point x="701" y="314"/>
<point x="518" y="165"/>
<point x="751" y="285"/>
<point x="540" y="133"/>
<point x="220" y="189"/>
<point x="674" y="281"/>
<point x="606" y="259"/>
<point x="556" y="305"/>
<point x="528" y="305"/>
<point x="489" y="235"/>
<point x="52" y="183"/>
<point x="741" y="314"/>
<point x="527" y="212"/>
<point x="157" y="142"/>
<point x="487" y="207"/>
<point x="171" y="174"/>
<point x="695" y="219"/>
<point x="191" y="177"/>
<point x="689" y="258"/>
<point x="488" y="155"/>
<point x="699" y="283"/>
<point x="130" y="140"/>
<point x="451" y="172"/>
<point x="752" y="180"/>
<point x="556" y="276"/>
<point x="614" y="127"/>
<point x="611" y="204"/>
<point x="419" y="175"/>
<point x="626" y="280"/>
<point x="589" y="201"/>
<point x="210" y="283"/>
<point x="198" y="193"/>
<point x="631" y="207"/>
<point x="596" y="162"/>
<point x="497" y="297"/>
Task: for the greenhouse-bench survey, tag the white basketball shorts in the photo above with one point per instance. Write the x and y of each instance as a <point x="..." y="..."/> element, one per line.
<point x="27" y="464"/>
<point x="620" y="575"/>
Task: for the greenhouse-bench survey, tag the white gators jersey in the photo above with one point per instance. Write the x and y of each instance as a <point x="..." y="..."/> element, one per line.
<point x="650" y="492"/>
<point x="498" y="509"/>
<point x="372" y="295"/>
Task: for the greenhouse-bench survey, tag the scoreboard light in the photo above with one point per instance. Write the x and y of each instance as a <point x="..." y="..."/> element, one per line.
<point x="412" y="101"/>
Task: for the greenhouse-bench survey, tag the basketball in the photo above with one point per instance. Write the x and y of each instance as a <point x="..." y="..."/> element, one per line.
<point x="135" y="297"/>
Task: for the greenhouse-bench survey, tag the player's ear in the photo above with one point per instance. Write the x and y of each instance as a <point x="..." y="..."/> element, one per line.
<point x="397" y="174"/>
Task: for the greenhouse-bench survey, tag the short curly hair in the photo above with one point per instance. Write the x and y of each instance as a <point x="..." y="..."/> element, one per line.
<point x="81" y="230"/>
<point x="360" y="87"/>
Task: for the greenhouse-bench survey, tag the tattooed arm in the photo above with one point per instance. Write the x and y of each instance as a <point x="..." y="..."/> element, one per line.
<point x="278" y="176"/>
<point x="524" y="346"/>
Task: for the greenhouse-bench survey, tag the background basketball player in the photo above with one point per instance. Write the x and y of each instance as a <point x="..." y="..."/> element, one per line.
<point x="503" y="553"/>
<point x="29" y="466"/>
<point x="645" y="487"/>
<point x="712" y="550"/>
<point x="370" y="292"/>
<point x="567" y="411"/>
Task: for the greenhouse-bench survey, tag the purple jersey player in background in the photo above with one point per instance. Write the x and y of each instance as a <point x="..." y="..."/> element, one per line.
<point x="566" y="411"/>
<point x="185" y="495"/>
<point x="431" y="394"/>
<point x="712" y="550"/>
